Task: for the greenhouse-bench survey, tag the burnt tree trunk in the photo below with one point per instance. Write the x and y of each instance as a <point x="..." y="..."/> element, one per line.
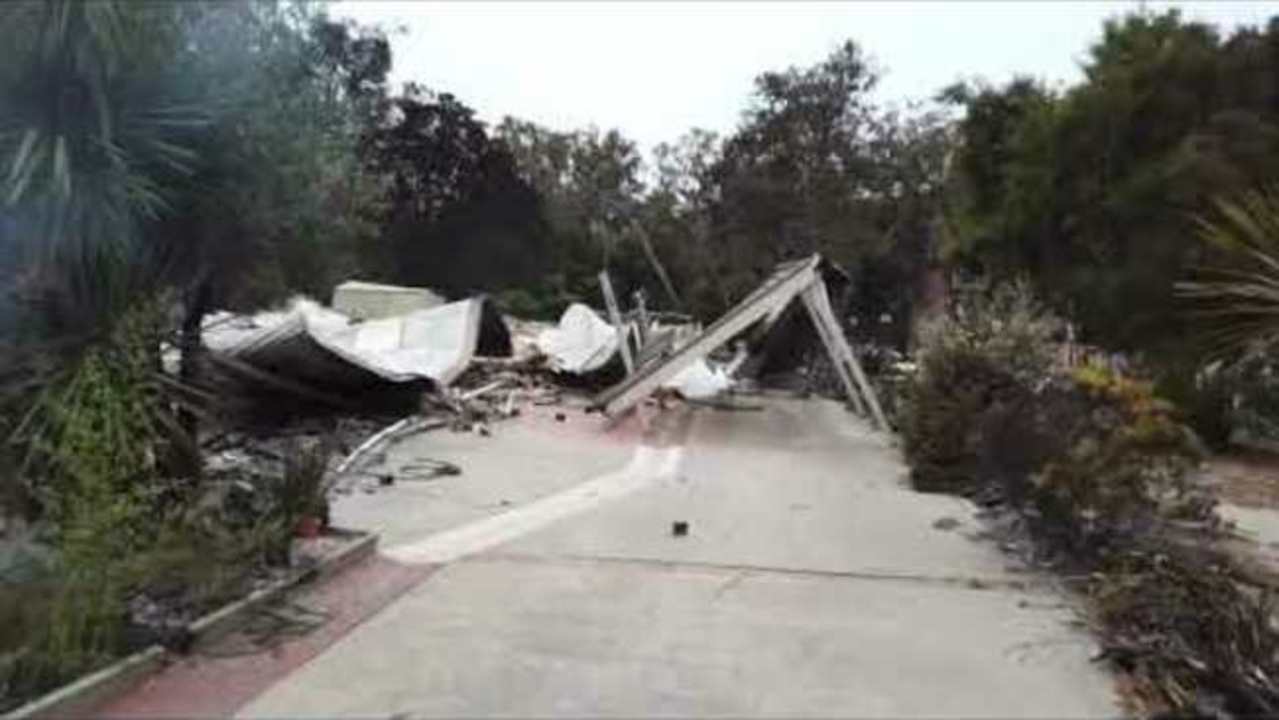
<point x="190" y="345"/>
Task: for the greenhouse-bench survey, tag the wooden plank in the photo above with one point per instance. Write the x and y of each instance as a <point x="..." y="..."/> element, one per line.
<point x="830" y="341"/>
<point x="821" y="301"/>
<point x="615" y="317"/>
<point x="641" y="311"/>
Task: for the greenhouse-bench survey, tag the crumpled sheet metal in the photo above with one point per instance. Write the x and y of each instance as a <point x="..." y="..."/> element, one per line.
<point x="319" y="345"/>
<point x="581" y="343"/>
<point x="701" y="380"/>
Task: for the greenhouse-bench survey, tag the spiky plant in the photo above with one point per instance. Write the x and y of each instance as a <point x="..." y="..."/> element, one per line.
<point x="91" y="126"/>
<point x="1237" y="300"/>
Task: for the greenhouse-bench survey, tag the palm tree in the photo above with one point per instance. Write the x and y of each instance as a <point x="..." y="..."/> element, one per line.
<point x="92" y="127"/>
<point x="89" y="128"/>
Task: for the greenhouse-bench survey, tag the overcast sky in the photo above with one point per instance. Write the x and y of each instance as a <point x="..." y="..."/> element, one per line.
<point x="655" y="69"/>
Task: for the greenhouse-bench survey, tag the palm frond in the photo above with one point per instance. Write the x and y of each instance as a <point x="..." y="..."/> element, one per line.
<point x="92" y="130"/>
<point x="1237" y="302"/>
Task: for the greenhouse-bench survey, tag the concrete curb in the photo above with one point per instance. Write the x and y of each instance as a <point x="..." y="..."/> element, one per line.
<point x="225" y="619"/>
<point x="80" y="696"/>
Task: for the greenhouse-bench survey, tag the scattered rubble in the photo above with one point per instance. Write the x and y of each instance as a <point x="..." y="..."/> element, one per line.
<point x="464" y="367"/>
<point x="582" y="342"/>
<point x="256" y="453"/>
<point x="791" y="282"/>
<point x="462" y="360"/>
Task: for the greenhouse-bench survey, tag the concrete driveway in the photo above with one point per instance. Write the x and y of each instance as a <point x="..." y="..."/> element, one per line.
<point x="811" y="582"/>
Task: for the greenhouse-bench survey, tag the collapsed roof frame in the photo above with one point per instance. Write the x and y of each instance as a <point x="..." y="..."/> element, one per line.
<point x="796" y="279"/>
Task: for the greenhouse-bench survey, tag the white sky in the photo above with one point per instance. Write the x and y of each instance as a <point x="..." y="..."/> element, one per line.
<point x="655" y="69"/>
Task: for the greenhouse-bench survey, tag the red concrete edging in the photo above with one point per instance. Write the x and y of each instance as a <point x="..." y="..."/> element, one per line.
<point x="210" y="686"/>
<point x="80" y="697"/>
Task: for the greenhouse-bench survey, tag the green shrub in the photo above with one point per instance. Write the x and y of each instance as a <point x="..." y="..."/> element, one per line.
<point x="90" y="453"/>
<point x="1017" y="437"/>
<point x="1004" y="324"/>
<point x="989" y="351"/>
<point x="1086" y="454"/>
<point x="1125" y="456"/>
<point x="92" y="438"/>
<point x="942" y="428"/>
<point x="1095" y="465"/>
<point x="299" y="492"/>
<point x="89" y="446"/>
<point x="1205" y="397"/>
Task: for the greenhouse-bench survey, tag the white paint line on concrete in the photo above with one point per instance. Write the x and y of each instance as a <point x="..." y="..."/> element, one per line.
<point x="648" y="465"/>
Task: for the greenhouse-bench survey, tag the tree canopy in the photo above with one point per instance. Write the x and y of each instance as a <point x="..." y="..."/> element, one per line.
<point x="253" y="150"/>
<point x="1092" y="191"/>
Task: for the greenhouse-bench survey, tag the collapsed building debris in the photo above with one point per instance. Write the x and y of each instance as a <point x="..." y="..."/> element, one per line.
<point x="701" y="380"/>
<point x="615" y="316"/>
<point x="802" y="280"/>
<point x="260" y="453"/>
<point x="322" y="355"/>
<point x="526" y="348"/>
<point x="370" y="301"/>
<point x="581" y="343"/>
<point x="463" y="362"/>
<point x="585" y="350"/>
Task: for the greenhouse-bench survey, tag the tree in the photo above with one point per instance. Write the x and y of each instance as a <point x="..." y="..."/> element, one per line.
<point x="909" y="151"/>
<point x="795" y="176"/>
<point x="1090" y="192"/>
<point x="817" y="166"/>
<point x="93" y="129"/>
<point x="458" y="215"/>
<point x="277" y="204"/>
<point x="676" y="219"/>
<point x="992" y="136"/>
<point x="217" y="156"/>
<point x="591" y="194"/>
<point x="206" y="148"/>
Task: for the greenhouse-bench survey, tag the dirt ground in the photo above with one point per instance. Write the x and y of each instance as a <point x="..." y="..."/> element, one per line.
<point x="1248" y="478"/>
